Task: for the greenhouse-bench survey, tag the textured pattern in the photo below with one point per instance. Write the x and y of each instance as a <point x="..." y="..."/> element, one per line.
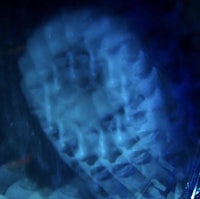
<point x="103" y="106"/>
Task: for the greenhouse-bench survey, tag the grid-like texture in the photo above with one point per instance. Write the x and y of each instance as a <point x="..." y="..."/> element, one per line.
<point x="103" y="106"/>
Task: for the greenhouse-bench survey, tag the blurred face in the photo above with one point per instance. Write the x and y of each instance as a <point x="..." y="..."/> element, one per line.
<point x="99" y="102"/>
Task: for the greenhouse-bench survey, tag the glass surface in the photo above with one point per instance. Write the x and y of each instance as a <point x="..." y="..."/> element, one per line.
<point x="99" y="100"/>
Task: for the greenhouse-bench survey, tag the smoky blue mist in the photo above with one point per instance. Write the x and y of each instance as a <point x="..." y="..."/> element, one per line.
<point x="109" y="104"/>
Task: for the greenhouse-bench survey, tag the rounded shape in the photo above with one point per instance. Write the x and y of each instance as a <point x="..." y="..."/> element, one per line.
<point x="99" y="101"/>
